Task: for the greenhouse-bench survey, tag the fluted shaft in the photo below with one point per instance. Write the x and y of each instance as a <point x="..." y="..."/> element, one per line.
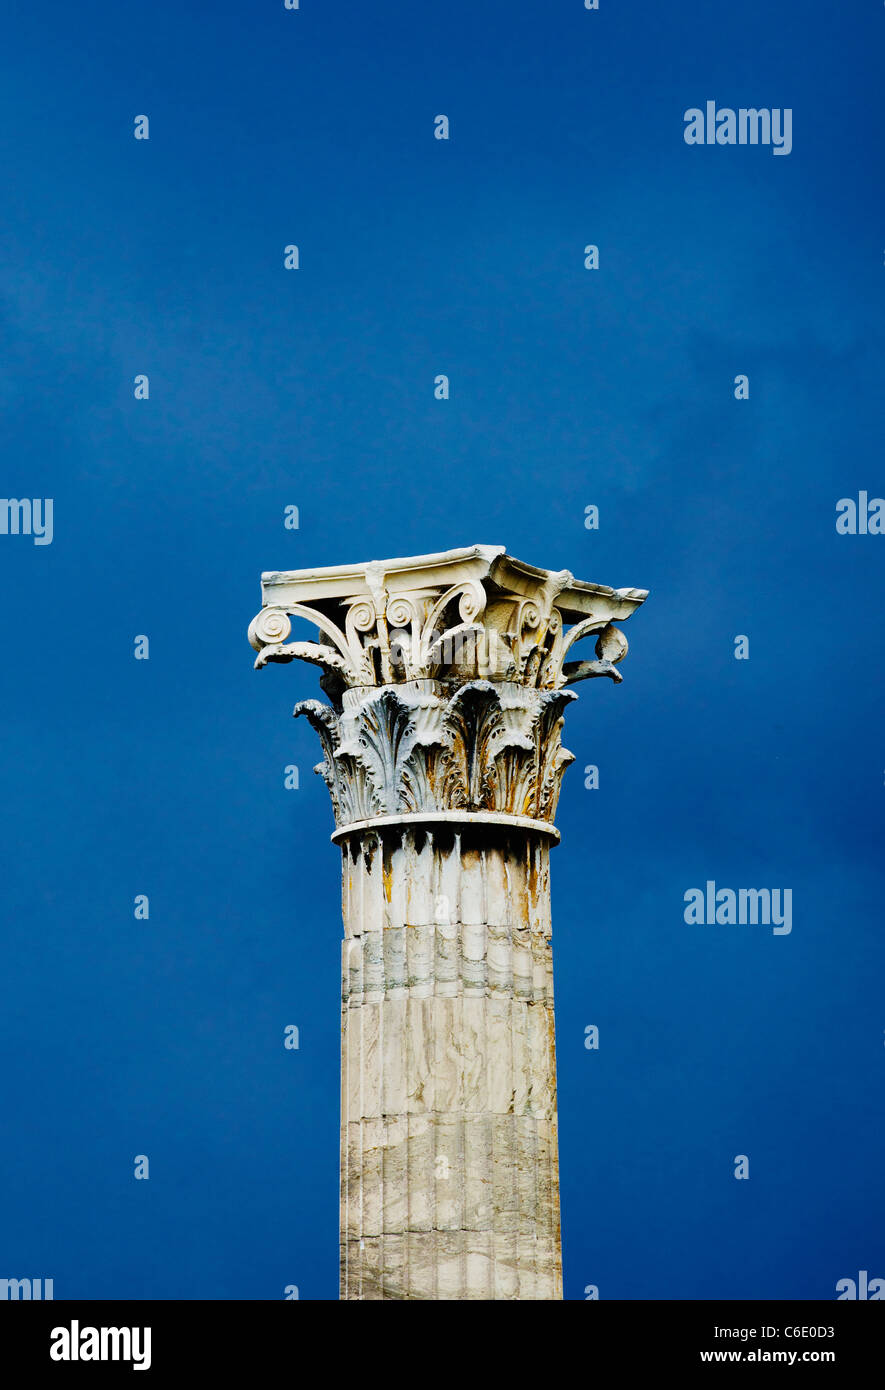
<point x="449" y="1168"/>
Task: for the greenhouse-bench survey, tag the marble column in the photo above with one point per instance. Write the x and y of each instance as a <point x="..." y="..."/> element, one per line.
<point x="446" y="676"/>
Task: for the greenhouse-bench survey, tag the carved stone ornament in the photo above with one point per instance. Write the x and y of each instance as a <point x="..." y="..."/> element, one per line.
<point x="446" y="675"/>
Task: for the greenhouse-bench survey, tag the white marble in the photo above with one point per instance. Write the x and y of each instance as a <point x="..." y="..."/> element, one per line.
<point x="447" y="678"/>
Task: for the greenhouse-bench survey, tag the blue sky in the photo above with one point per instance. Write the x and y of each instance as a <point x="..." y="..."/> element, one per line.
<point x="268" y="388"/>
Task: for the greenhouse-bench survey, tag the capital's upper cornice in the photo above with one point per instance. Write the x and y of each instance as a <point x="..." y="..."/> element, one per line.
<point x="449" y="617"/>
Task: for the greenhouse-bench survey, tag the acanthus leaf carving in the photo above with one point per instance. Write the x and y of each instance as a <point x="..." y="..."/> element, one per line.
<point x="489" y="747"/>
<point x="324" y="720"/>
<point x="472" y="715"/>
<point x="378" y="739"/>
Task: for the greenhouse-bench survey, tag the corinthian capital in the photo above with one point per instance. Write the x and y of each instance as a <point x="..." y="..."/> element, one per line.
<point x="447" y="678"/>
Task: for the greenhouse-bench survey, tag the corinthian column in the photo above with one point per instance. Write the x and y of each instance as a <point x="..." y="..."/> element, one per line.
<point x="446" y="679"/>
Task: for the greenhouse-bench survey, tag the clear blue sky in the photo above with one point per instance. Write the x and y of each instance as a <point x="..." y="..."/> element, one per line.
<point x="315" y="388"/>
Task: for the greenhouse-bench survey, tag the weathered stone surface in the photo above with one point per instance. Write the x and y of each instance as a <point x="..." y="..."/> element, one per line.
<point x="449" y="1164"/>
<point x="443" y="758"/>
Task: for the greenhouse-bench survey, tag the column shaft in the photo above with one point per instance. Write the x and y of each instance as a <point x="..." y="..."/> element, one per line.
<point x="449" y="1165"/>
